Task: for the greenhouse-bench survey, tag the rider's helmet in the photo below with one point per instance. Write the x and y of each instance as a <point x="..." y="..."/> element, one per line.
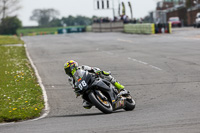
<point x="70" y="67"/>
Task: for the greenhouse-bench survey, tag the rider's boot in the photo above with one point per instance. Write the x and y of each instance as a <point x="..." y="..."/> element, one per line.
<point x="86" y="104"/>
<point x="118" y="86"/>
<point x="121" y="89"/>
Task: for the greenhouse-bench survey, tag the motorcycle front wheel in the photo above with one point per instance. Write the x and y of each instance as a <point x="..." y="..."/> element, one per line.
<point x="130" y="104"/>
<point x="104" y="106"/>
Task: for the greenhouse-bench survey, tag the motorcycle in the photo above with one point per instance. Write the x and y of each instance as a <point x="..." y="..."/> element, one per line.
<point x="102" y="94"/>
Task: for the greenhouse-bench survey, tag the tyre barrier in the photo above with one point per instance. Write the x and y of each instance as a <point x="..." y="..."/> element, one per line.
<point x="163" y="28"/>
<point x="147" y="28"/>
<point x="71" y="30"/>
<point x="139" y="28"/>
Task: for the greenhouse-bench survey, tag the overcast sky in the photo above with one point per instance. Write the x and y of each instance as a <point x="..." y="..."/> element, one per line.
<point x="81" y="7"/>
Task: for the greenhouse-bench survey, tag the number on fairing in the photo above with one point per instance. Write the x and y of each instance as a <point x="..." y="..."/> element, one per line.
<point x="82" y="84"/>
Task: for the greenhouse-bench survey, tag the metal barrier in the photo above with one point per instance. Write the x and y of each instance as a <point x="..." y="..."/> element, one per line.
<point x="108" y="27"/>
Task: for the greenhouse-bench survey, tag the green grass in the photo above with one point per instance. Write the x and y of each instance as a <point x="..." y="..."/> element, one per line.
<point x="20" y="95"/>
<point x="40" y="31"/>
<point x="10" y="40"/>
<point x="37" y="31"/>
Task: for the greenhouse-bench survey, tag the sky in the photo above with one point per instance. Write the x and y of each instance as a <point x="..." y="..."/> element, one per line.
<point x="140" y="8"/>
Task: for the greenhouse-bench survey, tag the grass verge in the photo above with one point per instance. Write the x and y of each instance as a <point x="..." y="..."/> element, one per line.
<point x="40" y="31"/>
<point x="10" y="40"/>
<point x="20" y="94"/>
<point x="37" y="31"/>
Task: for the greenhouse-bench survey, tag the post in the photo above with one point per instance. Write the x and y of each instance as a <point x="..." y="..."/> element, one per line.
<point x="119" y="7"/>
<point x="113" y="9"/>
<point x="129" y="3"/>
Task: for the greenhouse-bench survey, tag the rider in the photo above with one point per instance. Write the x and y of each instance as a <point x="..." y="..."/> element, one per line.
<point x="71" y="67"/>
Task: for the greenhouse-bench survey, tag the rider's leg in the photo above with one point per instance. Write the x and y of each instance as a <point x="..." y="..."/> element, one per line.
<point x="111" y="79"/>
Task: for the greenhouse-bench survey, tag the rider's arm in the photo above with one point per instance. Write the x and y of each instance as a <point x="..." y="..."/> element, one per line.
<point x="95" y="70"/>
<point x="71" y="81"/>
<point x="91" y="69"/>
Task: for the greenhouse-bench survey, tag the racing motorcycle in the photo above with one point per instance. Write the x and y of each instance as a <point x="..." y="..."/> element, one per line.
<point x="102" y="94"/>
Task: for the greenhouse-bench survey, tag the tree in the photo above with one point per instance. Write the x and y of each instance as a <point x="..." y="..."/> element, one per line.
<point x="9" y="25"/>
<point x="44" y="16"/>
<point x="78" y="20"/>
<point x="81" y="20"/>
<point x="55" y="23"/>
<point x="69" y="20"/>
<point x="189" y="3"/>
<point x="7" y="7"/>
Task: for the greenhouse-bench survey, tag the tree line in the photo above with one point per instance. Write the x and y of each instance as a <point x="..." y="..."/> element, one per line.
<point x="49" y="18"/>
<point x="9" y="24"/>
<point x="44" y="17"/>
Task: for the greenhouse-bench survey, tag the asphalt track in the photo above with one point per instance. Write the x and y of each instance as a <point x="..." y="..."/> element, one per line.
<point x="162" y="72"/>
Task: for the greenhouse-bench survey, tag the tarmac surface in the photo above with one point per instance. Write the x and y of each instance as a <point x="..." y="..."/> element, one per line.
<point x="162" y="72"/>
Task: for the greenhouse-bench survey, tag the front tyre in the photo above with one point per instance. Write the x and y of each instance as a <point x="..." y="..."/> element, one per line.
<point x="104" y="106"/>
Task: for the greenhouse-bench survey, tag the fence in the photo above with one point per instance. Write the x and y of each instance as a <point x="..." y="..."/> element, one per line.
<point x="111" y="27"/>
<point x="108" y="27"/>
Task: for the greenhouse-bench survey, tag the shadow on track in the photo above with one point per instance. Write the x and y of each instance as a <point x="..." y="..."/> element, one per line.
<point x="87" y="114"/>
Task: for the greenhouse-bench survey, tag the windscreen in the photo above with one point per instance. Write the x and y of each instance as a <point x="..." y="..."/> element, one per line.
<point x="79" y="74"/>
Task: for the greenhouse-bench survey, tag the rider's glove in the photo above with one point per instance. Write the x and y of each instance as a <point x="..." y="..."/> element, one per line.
<point x="76" y="93"/>
<point x="70" y="80"/>
<point x="97" y="71"/>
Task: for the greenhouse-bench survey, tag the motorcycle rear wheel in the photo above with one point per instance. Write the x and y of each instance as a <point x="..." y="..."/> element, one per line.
<point x="130" y="105"/>
<point x="104" y="106"/>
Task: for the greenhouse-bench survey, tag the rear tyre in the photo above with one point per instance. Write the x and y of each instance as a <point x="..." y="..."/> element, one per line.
<point x="130" y="105"/>
<point x="104" y="106"/>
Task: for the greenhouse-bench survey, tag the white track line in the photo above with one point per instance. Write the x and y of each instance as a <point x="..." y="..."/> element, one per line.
<point x="135" y="60"/>
<point x="155" y="67"/>
<point x="145" y="63"/>
<point x="47" y="108"/>
<point x="124" y="40"/>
